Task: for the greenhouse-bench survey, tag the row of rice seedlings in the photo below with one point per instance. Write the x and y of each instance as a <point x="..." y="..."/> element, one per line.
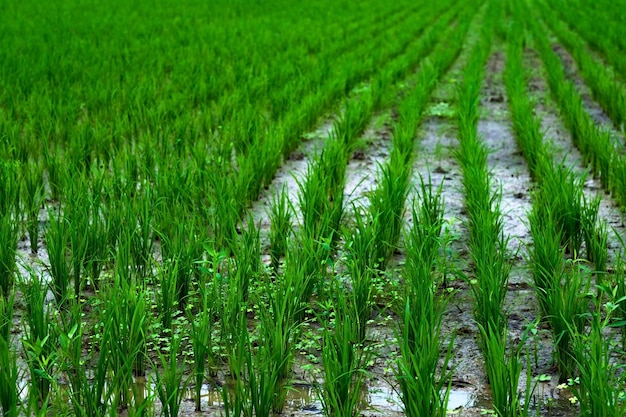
<point x="424" y="380"/>
<point x="220" y="82"/>
<point x="575" y="216"/>
<point x="131" y="239"/>
<point x="604" y="13"/>
<point x="54" y="156"/>
<point x="376" y="232"/>
<point x="561" y="289"/>
<point x="387" y="202"/>
<point x="391" y="70"/>
<point x="253" y="173"/>
<point x="596" y="145"/>
<point x="322" y="191"/>
<point x="57" y="158"/>
<point x="610" y="93"/>
<point x="604" y="39"/>
<point x="227" y="197"/>
<point x="581" y="217"/>
<point x="320" y="227"/>
<point x="487" y="242"/>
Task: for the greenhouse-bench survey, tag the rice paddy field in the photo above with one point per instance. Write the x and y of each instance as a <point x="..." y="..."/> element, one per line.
<point x="248" y="208"/>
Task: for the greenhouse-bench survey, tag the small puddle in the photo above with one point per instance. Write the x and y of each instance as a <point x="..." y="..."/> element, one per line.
<point x="459" y="399"/>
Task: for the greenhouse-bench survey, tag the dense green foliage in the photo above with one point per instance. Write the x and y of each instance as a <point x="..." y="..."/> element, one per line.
<point x="137" y="138"/>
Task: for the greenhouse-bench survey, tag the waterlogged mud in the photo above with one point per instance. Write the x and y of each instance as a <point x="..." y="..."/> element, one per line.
<point x="508" y="168"/>
<point x="364" y="164"/>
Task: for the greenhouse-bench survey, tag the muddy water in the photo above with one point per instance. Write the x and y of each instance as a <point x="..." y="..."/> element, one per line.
<point x="303" y="400"/>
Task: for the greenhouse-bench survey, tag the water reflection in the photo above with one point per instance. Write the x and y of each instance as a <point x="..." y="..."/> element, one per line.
<point x="303" y="398"/>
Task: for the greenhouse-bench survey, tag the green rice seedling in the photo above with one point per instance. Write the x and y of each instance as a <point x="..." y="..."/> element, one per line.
<point x="248" y="258"/>
<point x="619" y="297"/>
<point x="126" y="321"/>
<point x="57" y="238"/>
<point x="166" y="300"/>
<point x="9" y="374"/>
<point x="233" y="322"/>
<point x="236" y="398"/>
<point x="568" y="304"/>
<point x="321" y="192"/>
<point x="387" y="205"/>
<point x="275" y="356"/>
<point x="301" y="275"/>
<point x="280" y="226"/>
<point x="9" y="188"/>
<point x="343" y="359"/>
<point x="201" y="318"/>
<point x="361" y="264"/>
<point x="424" y="385"/>
<point x="169" y="384"/>
<point x="492" y="274"/>
<point x="262" y="386"/>
<point x="596" y="236"/>
<point x="142" y="243"/>
<point x="181" y="247"/>
<point x="561" y="194"/>
<point x="8" y="249"/>
<point x="77" y="218"/>
<point x="306" y="268"/>
<point x="600" y="387"/>
<point x="39" y="342"/>
<point x="261" y="383"/>
<point x="97" y="252"/>
<point x="54" y="166"/>
<point x="6" y="315"/>
<point x="224" y="211"/>
<point x="86" y="385"/>
<point x="427" y="217"/>
<point x="545" y="256"/>
<point x="33" y="200"/>
<point x="424" y="382"/>
<point x="504" y="370"/>
<point x="353" y="120"/>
